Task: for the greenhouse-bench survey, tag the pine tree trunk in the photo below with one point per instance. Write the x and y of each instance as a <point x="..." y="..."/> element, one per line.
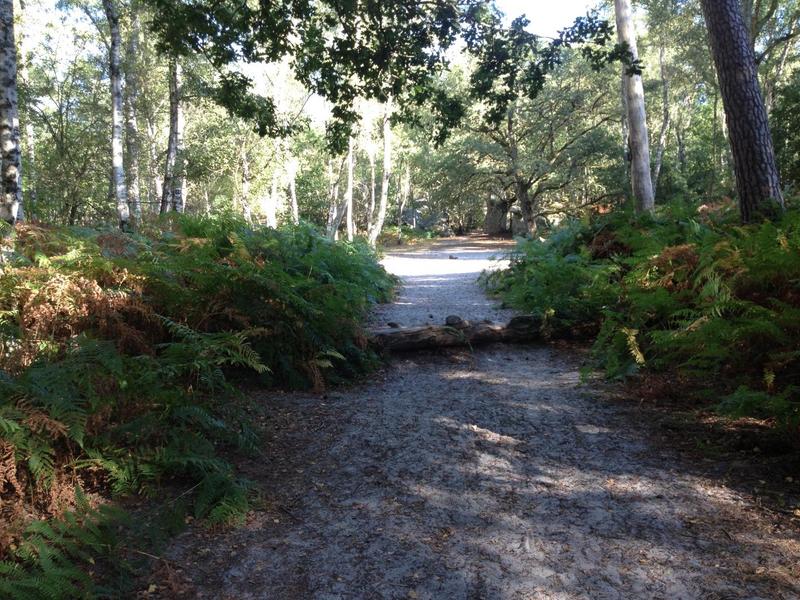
<point x="10" y="156"/>
<point x="118" y="184"/>
<point x="386" y="177"/>
<point x="348" y="194"/>
<point x="641" y="181"/>
<point x="757" y="179"/>
<point x="132" y="141"/>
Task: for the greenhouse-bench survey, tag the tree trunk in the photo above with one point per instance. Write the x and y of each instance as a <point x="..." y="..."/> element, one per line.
<point x="386" y="177"/>
<point x="172" y="178"/>
<point x="757" y="179"/>
<point x="641" y="182"/>
<point x="371" y="209"/>
<point x="155" y="185"/>
<point x="666" y="122"/>
<point x="132" y="141"/>
<point x="348" y="194"/>
<point x="10" y="156"/>
<point x="496" y="222"/>
<point x="291" y="174"/>
<point x="772" y="84"/>
<point x="402" y="200"/>
<point x="179" y="176"/>
<point x="118" y="184"/>
<point x="456" y="332"/>
<point x="272" y="206"/>
<point x="333" y="201"/>
<point x="30" y="132"/>
<point x="245" y="196"/>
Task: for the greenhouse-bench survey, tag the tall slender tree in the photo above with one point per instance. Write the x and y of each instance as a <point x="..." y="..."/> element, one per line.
<point x="377" y="225"/>
<point x="118" y="184"/>
<point x="30" y="133"/>
<point x="132" y="141"/>
<point x="757" y="179"/>
<point x="348" y="194"/>
<point x="173" y="191"/>
<point x="10" y="155"/>
<point x="639" y="140"/>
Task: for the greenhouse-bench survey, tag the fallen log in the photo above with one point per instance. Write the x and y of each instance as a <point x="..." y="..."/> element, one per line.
<point x="455" y="332"/>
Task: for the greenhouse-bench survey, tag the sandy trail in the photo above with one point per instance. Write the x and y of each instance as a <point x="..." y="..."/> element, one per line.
<point x="491" y="474"/>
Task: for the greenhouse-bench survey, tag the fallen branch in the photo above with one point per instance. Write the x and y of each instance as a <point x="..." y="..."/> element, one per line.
<point x="455" y="332"/>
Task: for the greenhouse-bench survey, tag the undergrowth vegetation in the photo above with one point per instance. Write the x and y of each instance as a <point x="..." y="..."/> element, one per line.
<point x="684" y="292"/>
<point x="116" y="352"/>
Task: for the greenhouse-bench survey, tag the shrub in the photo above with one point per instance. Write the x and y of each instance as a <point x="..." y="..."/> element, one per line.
<point x="680" y="291"/>
<point x="117" y="352"/>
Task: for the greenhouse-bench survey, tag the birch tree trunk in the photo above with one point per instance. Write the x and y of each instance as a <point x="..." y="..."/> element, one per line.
<point x="386" y="177"/>
<point x="757" y="179"/>
<point x="179" y="177"/>
<point x="132" y="140"/>
<point x="666" y="120"/>
<point x="10" y="156"/>
<point x="118" y="184"/>
<point x="348" y="194"/>
<point x="641" y="182"/>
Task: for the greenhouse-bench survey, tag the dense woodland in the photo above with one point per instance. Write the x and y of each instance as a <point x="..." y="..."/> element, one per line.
<point x="193" y="192"/>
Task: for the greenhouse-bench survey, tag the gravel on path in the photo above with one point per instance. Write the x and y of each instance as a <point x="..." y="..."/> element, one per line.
<point x="486" y="475"/>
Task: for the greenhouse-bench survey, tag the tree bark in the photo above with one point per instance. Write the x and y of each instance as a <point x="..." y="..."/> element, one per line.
<point x="118" y="184"/>
<point x="757" y="178"/>
<point x="10" y="155"/>
<point x="641" y="181"/>
<point x="132" y="140"/>
<point x="386" y="176"/>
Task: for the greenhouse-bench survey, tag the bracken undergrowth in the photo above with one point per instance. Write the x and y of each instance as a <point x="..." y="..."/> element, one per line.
<point x="117" y="353"/>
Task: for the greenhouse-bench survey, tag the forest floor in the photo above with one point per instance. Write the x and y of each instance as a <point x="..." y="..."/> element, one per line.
<point x="489" y="474"/>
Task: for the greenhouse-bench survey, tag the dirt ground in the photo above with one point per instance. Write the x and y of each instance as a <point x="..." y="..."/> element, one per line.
<point x="492" y="474"/>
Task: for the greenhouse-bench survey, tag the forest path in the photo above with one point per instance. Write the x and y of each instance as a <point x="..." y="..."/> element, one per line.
<point x="478" y="475"/>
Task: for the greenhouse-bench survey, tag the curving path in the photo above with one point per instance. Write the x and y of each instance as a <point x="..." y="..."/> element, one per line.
<point x="486" y="475"/>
